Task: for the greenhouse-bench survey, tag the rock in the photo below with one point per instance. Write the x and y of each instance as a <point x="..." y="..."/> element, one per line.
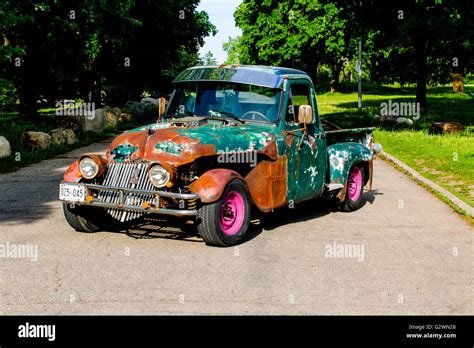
<point x="116" y="111"/>
<point x="36" y="140"/>
<point x="69" y="122"/>
<point x="151" y="110"/>
<point x="404" y="121"/>
<point x="95" y="122"/>
<point x="125" y="118"/>
<point x="387" y="118"/>
<point x="61" y="136"/>
<point x="5" y="149"/>
<point x="148" y="100"/>
<point x="110" y="119"/>
<point x="134" y="108"/>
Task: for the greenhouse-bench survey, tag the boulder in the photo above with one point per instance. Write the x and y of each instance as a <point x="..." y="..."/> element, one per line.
<point x="61" y="136"/>
<point x="387" y="118"/>
<point x="36" y="140"/>
<point x="134" y="108"/>
<point x="403" y="121"/>
<point x="5" y="149"/>
<point x="73" y="123"/>
<point x="148" y="100"/>
<point x="125" y="118"/>
<point x="116" y="111"/>
<point x="95" y="122"/>
<point x="110" y="119"/>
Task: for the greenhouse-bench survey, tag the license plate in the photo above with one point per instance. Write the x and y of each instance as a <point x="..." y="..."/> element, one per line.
<point x="72" y="192"/>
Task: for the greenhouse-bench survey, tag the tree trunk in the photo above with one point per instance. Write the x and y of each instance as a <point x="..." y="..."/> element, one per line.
<point x="28" y="74"/>
<point x="420" y="59"/>
<point x="420" y="75"/>
<point x="335" y="71"/>
<point x="27" y="96"/>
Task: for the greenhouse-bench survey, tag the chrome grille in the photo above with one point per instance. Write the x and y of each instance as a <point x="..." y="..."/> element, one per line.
<point x="127" y="175"/>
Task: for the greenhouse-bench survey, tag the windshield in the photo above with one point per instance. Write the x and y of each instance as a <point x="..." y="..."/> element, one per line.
<point x="225" y="99"/>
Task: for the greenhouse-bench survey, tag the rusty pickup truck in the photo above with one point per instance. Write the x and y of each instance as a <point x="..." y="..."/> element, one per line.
<point x="231" y="138"/>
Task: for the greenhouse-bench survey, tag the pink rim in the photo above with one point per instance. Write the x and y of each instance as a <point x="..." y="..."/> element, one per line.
<point x="232" y="213"/>
<point x="355" y="183"/>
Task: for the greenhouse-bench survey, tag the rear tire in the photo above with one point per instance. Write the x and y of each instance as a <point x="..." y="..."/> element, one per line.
<point x="87" y="219"/>
<point x="225" y="222"/>
<point x="355" y="189"/>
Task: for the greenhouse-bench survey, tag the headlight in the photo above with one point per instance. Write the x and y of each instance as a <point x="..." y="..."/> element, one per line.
<point x="88" y="168"/>
<point x="158" y="175"/>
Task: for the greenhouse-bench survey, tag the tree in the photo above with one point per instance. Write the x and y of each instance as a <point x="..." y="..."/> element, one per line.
<point x="417" y="41"/>
<point x="232" y="48"/>
<point x="298" y="33"/>
<point x="79" y="50"/>
<point x="209" y="59"/>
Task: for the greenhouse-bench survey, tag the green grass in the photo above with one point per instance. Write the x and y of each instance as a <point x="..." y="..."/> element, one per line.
<point x="443" y="106"/>
<point x="12" y="128"/>
<point x="447" y="160"/>
<point x="434" y="156"/>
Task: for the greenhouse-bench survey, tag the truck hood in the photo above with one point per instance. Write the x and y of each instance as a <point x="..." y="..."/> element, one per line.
<point x="176" y="145"/>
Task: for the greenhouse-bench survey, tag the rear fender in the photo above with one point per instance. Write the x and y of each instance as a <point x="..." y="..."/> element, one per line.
<point x="343" y="156"/>
<point x="212" y="183"/>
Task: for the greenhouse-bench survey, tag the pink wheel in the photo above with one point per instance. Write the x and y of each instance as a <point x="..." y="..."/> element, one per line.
<point x="232" y="213"/>
<point x="354" y="188"/>
<point x="225" y="221"/>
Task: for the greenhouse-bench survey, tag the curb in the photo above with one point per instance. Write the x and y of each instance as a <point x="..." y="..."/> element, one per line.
<point x="435" y="187"/>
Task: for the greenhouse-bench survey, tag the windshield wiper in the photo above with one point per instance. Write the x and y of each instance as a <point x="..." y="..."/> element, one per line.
<point x="228" y="113"/>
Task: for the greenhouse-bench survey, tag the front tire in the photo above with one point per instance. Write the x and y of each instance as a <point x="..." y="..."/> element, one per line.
<point x="87" y="219"/>
<point x="355" y="188"/>
<point x="225" y="222"/>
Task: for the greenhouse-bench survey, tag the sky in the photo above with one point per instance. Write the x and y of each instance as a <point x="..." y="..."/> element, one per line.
<point x="221" y="14"/>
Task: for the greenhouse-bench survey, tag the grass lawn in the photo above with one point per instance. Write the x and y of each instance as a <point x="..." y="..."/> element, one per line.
<point x="447" y="160"/>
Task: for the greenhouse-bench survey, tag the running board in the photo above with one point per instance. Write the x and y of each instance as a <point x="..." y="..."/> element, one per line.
<point x="332" y="187"/>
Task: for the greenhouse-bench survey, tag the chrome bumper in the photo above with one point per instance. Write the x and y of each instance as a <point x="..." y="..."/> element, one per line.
<point x="124" y="192"/>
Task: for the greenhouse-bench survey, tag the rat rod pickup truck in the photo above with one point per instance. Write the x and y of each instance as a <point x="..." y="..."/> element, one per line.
<point x="230" y="138"/>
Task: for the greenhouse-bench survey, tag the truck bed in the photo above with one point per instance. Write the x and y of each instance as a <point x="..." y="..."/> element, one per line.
<point x="358" y="135"/>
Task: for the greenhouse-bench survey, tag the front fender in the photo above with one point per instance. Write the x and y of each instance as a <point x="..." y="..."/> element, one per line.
<point x="212" y="183"/>
<point x="72" y="174"/>
<point x="343" y="156"/>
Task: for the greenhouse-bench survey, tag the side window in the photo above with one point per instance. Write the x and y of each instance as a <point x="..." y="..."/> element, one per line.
<point x="299" y="95"/>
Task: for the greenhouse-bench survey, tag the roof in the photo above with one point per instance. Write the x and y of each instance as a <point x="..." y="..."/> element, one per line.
<point x="267" y="76"/>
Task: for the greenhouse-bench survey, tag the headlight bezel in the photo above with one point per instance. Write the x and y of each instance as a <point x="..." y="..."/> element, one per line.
<point x="167" y="175"/>
<point x="99" y="165"/>
<point x="92" y="164"/>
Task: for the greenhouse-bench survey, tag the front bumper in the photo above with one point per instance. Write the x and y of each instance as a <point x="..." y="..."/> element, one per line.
<point x="126" y="195"/>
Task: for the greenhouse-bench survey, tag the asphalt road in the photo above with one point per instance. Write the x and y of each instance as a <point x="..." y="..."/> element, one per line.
<point x="411" y="255"/>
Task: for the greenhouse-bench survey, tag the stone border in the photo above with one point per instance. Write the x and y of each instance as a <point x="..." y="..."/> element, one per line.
<point x="435" y="187"/>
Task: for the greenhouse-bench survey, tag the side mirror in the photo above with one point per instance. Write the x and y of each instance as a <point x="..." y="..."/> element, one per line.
<point x="161" y="107"/>
<point x="305" y="114"/>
